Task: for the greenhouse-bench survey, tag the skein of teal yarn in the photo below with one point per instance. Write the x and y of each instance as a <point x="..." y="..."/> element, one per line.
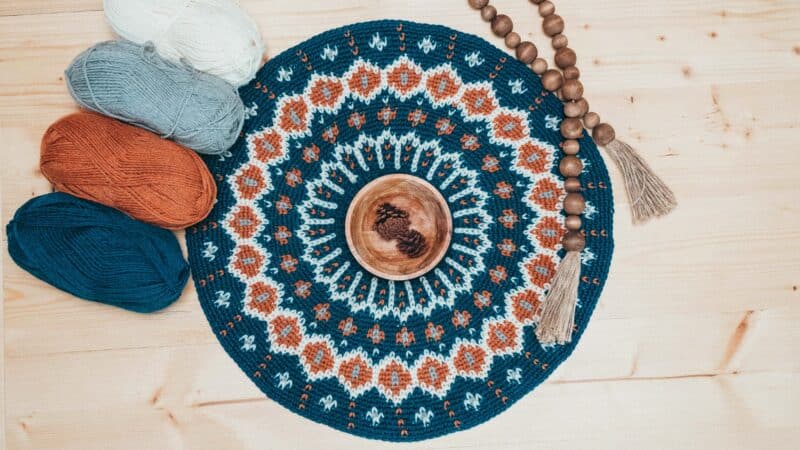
<point x="132" y="83"/>
<point x="97" y="253"/>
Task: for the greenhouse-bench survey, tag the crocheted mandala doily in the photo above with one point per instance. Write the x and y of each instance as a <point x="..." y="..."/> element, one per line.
<point x="394" y="360"/>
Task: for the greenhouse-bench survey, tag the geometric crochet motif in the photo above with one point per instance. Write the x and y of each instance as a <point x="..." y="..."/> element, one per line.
<point x="394" y="360"/>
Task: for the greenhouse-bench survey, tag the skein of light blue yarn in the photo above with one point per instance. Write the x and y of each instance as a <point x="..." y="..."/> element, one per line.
<point x="132" y="83"/>
<point x="97" y="253"/>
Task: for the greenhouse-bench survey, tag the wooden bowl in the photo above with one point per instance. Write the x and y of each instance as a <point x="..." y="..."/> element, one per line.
<point x="427" y="212"/>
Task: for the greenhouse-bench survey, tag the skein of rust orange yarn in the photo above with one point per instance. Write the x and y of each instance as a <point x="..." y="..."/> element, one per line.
<point x="106" y="161"/>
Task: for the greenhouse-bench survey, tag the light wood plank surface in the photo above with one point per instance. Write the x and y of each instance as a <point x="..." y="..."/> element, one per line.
<point x="694" y="343"/>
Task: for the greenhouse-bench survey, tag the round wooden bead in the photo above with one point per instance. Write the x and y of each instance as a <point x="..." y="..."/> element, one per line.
<point x="572" y="184"/>
<point x="591" y="120"/>
<point x="572" y="90"/>
<point x="583" y="104"/>
<point x="552" y="80"/>
<point x="571" y="146"/>
<point x="502" y="25"/>
<point x="552" y="25"/>
<point x="539" y="66"/>
<point x="573" y="241"/>
<point x="513" y="39"/>
<point x="527" y="52"/>
<point x="570" y="166"/>
<point x="478" y="4"/>
<point x="559" y="41"/>
<point x="574" y="203"/>
<point x="603" y="134"/>
<point x="488" y="12"/>
<point x="576" y="109"/>
<point x="572" y="73"/>
<point x="573" y="223"/>
<point x="547" y="8"/>
<point x="565" y="57"/>
<point x="571" y="128"/>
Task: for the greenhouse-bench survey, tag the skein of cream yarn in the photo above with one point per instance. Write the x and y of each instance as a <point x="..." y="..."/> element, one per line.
<point x="214" y="36"/>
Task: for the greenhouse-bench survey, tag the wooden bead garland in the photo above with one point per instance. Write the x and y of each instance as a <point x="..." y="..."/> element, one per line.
<point x="553" y="25"/>
<point x="576" y="108"/>
<point x="603" y="133"/>
<point x="513" y="40"/>
<point x="573" y="184"/>
<point x="649" y="196"/>
<point x="565" y="57"/>
<point x="526" y="52"/>
<point x="478" y="4"/>
<point x="591" y="120"/>
<point x="572" y="73"/>
<point x="539" y="66"/>
<point x="574" y="241"/>
<point x="570" y="166"/>
<point x="571" y="92"/>
<point x="570" y="147"/>
<point x="502" y="25"/>
<point x="571" y="128"/>
<point x="573" y="222"/>
<point x="574" y="203"/>
<point x="488" y="12"/>
<point x="547" y="8"/>
<point x="559" y="41"/>
<point x="552" y="80"/>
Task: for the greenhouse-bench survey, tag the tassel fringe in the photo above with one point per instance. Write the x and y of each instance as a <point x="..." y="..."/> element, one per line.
<point x="558" y="315"/>
<point x="649" y="196"/>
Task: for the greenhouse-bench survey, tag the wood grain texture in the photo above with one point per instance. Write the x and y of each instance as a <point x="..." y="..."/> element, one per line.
<point x="694" y="342"/>
<point x="426" y="212"/>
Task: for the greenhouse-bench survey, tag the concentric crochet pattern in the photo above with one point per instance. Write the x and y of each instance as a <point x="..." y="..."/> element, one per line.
<point x="394" y="360"/>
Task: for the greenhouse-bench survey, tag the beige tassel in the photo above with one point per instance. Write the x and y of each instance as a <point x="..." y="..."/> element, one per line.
<point x="649" y="196"/>
<point x="558" y="314"/>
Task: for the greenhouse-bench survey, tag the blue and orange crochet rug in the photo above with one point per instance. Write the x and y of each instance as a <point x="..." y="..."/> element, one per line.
<point x="394" y="360"/>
